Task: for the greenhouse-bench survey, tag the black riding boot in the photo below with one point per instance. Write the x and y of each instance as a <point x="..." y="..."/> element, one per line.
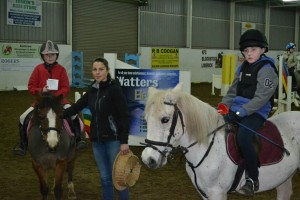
<point x="80" y="143"/>
<point x="20" y="148"/>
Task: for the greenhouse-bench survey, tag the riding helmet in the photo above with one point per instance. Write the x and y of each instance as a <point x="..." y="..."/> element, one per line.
<point x="49" y="47"/>
<point x="253" y="38"/>
<point x="290" y="46"/>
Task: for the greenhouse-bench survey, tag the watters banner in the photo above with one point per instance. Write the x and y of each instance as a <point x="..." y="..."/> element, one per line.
<point x="19" y="57"/>
<point x="135" y="84"/>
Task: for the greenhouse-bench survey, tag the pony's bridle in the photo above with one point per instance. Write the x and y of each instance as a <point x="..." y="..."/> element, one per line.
<point x="184" y="150"/>
<point x="153" y="144"/>
<point x="44" y="132"/>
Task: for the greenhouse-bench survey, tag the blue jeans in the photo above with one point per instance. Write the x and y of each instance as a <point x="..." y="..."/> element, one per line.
<point x="105" y="154"/>
<point x="245" y="139"/>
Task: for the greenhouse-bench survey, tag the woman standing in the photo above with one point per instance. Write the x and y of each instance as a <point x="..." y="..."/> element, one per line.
<point x="109" y="125"/>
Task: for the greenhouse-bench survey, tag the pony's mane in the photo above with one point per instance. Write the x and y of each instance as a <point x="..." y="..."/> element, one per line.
<point x="200" y="118"/>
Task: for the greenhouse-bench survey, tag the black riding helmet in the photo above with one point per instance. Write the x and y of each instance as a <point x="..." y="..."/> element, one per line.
<point x="253" y="38"/>
<point x="49" y="47"/>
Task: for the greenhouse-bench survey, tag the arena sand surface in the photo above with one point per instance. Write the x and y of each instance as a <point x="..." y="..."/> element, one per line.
<point x="19" y="182"/>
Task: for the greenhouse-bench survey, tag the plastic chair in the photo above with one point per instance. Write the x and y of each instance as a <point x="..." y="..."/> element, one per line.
<point x="132" y="59"/>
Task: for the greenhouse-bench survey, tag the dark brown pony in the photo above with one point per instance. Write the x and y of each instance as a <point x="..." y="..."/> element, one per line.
<point x="50" y="146"/>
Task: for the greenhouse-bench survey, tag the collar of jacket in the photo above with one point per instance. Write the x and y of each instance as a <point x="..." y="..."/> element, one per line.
<point x="102" y="84"/>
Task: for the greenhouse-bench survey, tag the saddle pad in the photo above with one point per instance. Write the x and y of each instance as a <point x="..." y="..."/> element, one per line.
<point x="270" y="154"/>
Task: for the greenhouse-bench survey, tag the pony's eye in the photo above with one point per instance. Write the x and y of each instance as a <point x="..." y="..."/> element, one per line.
<point x="165" y="120"/>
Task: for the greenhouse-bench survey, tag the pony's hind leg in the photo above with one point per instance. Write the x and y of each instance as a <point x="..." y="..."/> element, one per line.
<point x="285" y="190"/>
<point x="42" y="175"/>
<point x="59" y="175"/>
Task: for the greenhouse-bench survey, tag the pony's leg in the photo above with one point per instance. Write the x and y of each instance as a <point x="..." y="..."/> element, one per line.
<point x="42" y="175"/>
<point x="59" y="175"/>
<point x="71" y="191"/>
<point x="285" y="190"/>
<point x="217" y="195"/>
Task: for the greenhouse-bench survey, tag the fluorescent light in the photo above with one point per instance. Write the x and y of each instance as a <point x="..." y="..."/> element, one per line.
<point x="290" y="0"/>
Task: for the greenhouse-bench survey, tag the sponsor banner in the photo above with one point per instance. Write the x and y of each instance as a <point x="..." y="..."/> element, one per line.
<point x="135" y="84"/>
<point x="19" y="57"/>
<point x="24" y="13"/>
<point x="164" y="58"/>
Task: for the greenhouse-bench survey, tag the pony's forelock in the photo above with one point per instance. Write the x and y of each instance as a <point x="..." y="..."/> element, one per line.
<point x="156" y="99"/>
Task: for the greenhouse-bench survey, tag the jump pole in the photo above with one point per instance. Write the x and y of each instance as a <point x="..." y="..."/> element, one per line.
<point x="283" y="104"/>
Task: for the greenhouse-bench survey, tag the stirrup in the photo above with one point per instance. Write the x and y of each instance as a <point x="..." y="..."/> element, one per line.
<point x="249" y="188"/>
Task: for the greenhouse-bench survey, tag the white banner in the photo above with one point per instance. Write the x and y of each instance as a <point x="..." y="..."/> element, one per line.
<point x="19" y="64"/>
<point x="24" y="13"/>
<point x="19" y="57"/>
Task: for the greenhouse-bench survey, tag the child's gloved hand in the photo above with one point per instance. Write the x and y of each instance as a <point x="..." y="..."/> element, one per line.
<point x="231" y="117"/>
<point x="223" y="109"/>
<point x="242" y="112"/>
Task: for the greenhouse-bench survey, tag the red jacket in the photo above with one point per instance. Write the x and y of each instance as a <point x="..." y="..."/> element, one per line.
<point x="40" y="75"/>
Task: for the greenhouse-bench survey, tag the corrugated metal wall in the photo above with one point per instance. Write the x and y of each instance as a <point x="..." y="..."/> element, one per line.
<point x="210" y="27"/>
<point x="163" y="23"/>
<point x="112" y="25"/>
<point x="282" y="27"/>
<point x="104" y="26"/>
<point x="53" y="25"/>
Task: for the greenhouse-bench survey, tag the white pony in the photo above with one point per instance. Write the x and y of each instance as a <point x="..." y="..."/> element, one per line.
<point x="177" y="118"/>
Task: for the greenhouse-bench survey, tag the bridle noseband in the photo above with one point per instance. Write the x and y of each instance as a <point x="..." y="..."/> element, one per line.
<point x="44" y="132"/>
<point x="153" y="144"/>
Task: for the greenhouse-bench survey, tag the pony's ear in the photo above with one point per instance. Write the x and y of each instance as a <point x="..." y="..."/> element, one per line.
<point x="151" y="91"/>
<point x="173" y="94"/>
<point x="178" y="87"/>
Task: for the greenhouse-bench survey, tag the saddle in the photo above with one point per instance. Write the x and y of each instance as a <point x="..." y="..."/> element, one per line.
<point x="268" y="153"/>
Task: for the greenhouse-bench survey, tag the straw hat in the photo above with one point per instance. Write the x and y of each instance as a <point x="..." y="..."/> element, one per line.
<point x="126" y="170"/>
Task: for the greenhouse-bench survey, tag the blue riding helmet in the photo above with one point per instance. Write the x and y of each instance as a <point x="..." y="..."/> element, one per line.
<point x="290" y="46"/>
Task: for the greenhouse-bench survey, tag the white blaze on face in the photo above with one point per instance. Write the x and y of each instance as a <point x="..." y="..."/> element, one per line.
<point x="52" y="136"/>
